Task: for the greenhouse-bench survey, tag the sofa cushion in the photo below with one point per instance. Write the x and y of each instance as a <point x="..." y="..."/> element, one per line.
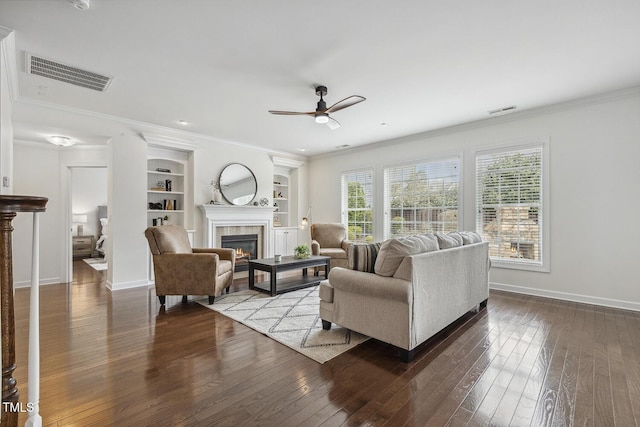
<point x="451" y="240"/>
<point x="470" y="237"/>
<point x="333" y="253"/>
<point x="362" y="257"/>
<point x="393" y="251"/>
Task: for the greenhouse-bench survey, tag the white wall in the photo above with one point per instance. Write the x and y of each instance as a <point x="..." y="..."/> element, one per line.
<point x="208" y="164"/>
<point x="126" y="244"/>
<point x="37" y="173"/>
<point x="6" y="128"/>
<point x="594" y="153"/>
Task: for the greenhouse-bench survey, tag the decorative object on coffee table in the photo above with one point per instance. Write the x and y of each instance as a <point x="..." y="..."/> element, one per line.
<point x="302" y="251"/>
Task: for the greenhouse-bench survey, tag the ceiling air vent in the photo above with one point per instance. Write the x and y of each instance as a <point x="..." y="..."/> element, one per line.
<point x="66" y="73"/>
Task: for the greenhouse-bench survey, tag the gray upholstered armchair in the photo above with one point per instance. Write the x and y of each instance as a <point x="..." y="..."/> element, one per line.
<point x="330" y="240"/>
<point x="181" y="270"/>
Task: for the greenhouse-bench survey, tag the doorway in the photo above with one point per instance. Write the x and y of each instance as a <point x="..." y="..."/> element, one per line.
<point x="88" y="197"/>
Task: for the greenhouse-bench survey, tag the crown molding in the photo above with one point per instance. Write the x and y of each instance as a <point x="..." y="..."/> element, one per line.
<point x="167" y="142"/>
<point x="8" y="52"/>
<point x="286" y="163"/>
<point x="143" y="127"/>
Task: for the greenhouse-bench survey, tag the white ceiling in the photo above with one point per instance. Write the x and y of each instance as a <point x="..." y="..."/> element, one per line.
<point x="221" y="64"/>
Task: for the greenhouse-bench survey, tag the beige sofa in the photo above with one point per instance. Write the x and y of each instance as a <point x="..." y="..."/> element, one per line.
<point x="403" y="291"/>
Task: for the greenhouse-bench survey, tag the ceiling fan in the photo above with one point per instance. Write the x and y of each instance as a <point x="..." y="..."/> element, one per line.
<point x="321" y="114"/>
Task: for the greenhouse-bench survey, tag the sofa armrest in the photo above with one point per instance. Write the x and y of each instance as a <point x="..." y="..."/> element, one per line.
<point x="205" y="263"/>
<point x="371" y="284"/>
<point x="223" y="253"/>
<point x="315" y="247"/>
<point x="345" y="245"/>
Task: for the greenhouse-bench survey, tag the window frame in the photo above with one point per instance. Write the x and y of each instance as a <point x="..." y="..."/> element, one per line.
<point x="344" y="198"/>
<point x="458" y="156"/>
<point x="543" y="265"/>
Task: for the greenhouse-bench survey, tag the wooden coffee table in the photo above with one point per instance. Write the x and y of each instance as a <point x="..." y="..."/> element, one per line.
<point x="276" y="286"/>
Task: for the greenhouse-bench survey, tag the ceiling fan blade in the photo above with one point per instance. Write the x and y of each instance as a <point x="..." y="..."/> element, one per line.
<point x="333" y="123"/>
<point x="344" y="103"/>
<point x="292" y="113"/>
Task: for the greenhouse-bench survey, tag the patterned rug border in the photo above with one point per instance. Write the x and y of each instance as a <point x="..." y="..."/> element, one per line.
<point x="306" y="336"/>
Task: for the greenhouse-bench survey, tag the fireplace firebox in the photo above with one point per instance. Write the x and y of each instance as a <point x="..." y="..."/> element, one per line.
<point x="246" y="247"/>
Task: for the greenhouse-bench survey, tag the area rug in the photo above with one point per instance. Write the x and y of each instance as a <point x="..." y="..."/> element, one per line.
<point x="291" y="319"/>
<point x="96" y="263"/>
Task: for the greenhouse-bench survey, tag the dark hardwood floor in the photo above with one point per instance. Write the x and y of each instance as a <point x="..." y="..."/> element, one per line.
<point x="118" y="358"/>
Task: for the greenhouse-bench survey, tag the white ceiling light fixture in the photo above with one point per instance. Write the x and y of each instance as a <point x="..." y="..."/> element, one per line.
<point x="80" y="4"/>
<point x="322" y="118"/>
<point x="61" y="141"/>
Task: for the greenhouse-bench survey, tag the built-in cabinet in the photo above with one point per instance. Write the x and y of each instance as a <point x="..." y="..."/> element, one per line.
<point x="281" y="211"/>
<point x="286" y="219"/>
<point x="166" y="190"/>
<point x="285" y="240"/>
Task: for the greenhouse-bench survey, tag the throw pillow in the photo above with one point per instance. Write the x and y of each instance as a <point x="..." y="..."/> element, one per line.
<point x="470" y="237"/>
<point x="446" y="241"/>
<point x="362" y="257"/>
<point x="430" y="241"/>
<point x="393" y="251"/>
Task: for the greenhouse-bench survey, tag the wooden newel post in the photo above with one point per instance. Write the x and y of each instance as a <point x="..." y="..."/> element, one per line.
<point x="9" y="206"/>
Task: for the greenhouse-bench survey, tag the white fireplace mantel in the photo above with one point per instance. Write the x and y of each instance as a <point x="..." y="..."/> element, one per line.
<point x="229" y="215"/>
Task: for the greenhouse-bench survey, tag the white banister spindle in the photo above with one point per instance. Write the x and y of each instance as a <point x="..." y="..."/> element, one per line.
<point x="33" y="417"/>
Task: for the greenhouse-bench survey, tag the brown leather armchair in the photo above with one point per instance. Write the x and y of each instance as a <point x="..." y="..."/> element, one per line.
<point x="330" y="240"/>
<point x="182" y="270"/>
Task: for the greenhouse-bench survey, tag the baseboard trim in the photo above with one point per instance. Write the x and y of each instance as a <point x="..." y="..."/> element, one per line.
<point x="127" y="285"/>
<point x="27" y="283"/>
<point x="586" y="299"/>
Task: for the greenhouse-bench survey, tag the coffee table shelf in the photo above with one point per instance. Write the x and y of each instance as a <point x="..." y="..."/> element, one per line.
<point x="276" y="285"/>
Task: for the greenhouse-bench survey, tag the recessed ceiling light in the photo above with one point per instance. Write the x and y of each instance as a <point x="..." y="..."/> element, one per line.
<point x="302" y="149"/>
<point x="385" y="124"/>
<point x="61" y="141"/>
<point x="183" y="122"/>
<point x="340" y="147"/>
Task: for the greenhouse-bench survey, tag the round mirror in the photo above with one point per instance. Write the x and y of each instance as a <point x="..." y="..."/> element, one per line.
<point x="238" y="184"/>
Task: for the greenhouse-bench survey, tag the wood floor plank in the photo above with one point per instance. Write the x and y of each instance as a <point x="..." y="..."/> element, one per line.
<point x="120" y="359"/>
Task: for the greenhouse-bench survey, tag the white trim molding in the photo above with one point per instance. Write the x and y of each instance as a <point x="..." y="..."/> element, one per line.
<point x="566" y="296"/>
<point x="127" y="285"/>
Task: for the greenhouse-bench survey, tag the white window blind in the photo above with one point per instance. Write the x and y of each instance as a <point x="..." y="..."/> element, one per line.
<point x="357" y="204"/>
<point x="421" y="197"/>
<point x="510" y="204"/>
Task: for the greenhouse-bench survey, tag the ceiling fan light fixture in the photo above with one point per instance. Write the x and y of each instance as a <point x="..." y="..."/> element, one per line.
<point x="61" y="141"/>
<point x="322" y="118"/>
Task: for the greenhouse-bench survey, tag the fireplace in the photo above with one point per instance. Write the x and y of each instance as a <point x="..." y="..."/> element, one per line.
<point x="246" y="247"/>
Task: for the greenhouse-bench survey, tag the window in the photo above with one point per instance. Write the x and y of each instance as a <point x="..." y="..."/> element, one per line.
<point x="510" y="208"/>
<point x="421" y="197"/>
<point x="357" y="204"/>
